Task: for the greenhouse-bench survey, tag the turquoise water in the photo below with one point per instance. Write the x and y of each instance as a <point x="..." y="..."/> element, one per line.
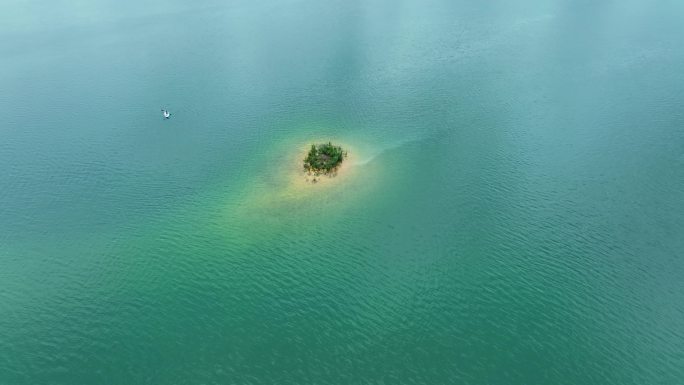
<point x="513" y="213"/>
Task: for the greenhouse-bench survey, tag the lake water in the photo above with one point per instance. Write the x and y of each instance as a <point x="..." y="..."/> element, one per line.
<point x="514" y="213"/>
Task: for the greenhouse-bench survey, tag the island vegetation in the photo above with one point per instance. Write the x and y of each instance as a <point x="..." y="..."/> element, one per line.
<point x="324" y="159"/>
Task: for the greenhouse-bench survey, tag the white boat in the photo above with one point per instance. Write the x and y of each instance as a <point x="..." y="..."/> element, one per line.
<point x="166" y="113"/>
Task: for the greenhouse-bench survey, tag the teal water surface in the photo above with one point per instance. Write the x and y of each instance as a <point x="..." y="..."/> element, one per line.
<point x="514" y="212"/>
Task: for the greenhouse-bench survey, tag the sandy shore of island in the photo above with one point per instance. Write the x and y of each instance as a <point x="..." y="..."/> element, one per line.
<point x="291" y="185"/>
<point x="298" y="178"/>
<point x="281" y="193"/>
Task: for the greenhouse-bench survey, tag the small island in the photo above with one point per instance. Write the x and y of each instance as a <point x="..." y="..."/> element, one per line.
<point x="324" y="159"/>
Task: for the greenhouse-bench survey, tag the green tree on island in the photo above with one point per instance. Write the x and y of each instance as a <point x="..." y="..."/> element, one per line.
<point x="324" y="158"/>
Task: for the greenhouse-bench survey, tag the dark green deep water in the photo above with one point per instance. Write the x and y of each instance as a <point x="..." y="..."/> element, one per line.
<point x="515" y="216"/>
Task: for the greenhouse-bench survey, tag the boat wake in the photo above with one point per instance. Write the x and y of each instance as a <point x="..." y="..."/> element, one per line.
<point x="381" y="150"/>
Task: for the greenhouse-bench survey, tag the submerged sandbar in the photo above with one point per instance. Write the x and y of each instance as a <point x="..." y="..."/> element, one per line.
<point x="287" y="188"/>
